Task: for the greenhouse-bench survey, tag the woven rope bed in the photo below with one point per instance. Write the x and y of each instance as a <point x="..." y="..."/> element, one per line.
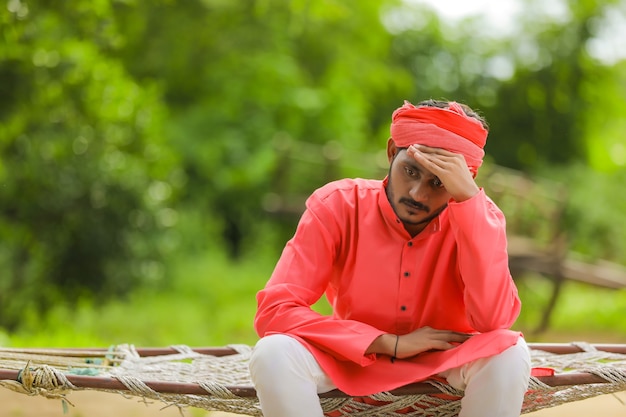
<point x="217" y="379"/>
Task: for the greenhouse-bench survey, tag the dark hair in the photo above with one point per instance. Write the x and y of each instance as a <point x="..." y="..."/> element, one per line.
<point x="442" y="104"/>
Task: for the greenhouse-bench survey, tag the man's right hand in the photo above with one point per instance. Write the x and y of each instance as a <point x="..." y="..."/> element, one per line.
<point x="416" y="342"/>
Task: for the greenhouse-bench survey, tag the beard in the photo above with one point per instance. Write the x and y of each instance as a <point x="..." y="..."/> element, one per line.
<point x="410" y="204"/>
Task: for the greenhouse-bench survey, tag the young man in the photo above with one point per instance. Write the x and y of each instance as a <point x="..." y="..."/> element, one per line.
<point x="415" y="268"/>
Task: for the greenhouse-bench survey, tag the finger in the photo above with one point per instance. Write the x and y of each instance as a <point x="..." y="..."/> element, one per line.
<point x="425" y="151"/>
<point x="441" y="345"/>
<point x="436" y="155"/>
<point x="430" y="161"/>
<point x="437" y="160"/>
<point x="458" y="338"/>
<point x="449" y="336"/>
<point x="430" y="150"/>
<point x="459" y="333"/>
<point x="442" y="166"/>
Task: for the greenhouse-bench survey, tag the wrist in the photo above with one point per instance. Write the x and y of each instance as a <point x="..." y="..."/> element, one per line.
<point x="395" y="349"/>
<point x="384" y="344"/>
<point x="467" y="194"/>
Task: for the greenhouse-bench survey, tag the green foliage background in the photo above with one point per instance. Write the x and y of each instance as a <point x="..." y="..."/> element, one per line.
<point x="154" y="155"/>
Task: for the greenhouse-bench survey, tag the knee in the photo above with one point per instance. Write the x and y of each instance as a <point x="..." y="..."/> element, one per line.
<point x="512" y="366"/>
<point x="270" y="354"/>
<point x="518" y="357"/>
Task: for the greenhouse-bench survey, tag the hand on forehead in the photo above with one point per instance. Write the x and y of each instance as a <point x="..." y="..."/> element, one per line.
<point x="447" y="129"/>
<point x="431" y="149"/>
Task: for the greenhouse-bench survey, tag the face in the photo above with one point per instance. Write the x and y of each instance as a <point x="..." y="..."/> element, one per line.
<point x="416" y="195"/>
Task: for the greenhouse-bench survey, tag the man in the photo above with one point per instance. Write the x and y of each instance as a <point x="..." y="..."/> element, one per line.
<point x="415" y="268"/>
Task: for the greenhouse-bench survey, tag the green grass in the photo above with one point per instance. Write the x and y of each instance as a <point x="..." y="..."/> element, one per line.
<point x="210" y="301"/>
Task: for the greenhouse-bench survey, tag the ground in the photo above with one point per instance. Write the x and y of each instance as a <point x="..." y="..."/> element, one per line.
<point x="99" y="404"/>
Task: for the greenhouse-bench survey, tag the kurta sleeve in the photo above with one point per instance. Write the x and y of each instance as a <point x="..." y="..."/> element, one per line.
<point x="301" y="277"/>
<point x="490" y="295"/>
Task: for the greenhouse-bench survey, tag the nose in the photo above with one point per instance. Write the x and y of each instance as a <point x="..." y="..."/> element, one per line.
<point x="419" y="191"/>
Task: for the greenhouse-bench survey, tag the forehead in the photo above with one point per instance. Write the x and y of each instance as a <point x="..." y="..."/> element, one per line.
<point x="404" y="160"/>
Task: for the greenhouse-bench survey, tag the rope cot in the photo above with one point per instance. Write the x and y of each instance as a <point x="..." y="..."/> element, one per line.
<point x="217" y="379"/>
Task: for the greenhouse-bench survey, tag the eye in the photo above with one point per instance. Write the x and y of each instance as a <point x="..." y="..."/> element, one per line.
<point x="410" y="171"/>
<point x="437" y="183"/>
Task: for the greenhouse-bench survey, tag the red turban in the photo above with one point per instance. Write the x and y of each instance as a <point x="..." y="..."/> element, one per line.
<point x="449" y="129"/>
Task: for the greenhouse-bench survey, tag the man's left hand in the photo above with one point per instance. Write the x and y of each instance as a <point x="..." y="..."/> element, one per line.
<point x="449" y="167"/>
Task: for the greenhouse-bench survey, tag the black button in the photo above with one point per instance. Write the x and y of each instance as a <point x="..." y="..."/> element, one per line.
<point x="403" y="308"/>
<point x="407" y="273"/>
<point x="410" y="244"/>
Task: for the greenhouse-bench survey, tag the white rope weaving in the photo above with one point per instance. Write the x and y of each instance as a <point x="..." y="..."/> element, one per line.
<point x="187" y="378"/>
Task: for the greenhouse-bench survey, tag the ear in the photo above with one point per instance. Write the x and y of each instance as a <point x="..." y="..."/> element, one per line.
<point x="392" y="150"/>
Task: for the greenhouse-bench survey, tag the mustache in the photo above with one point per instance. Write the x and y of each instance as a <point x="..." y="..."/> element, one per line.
<point x="415" y="204"/>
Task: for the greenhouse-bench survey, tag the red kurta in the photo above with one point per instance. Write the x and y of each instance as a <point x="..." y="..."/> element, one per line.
<point x="351" y="246"/>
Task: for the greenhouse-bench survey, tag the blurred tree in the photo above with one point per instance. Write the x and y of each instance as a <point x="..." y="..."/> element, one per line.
<point x="538" y="86"/>
<point x="443" y="63"/>
<point x="111" y="110"/>
<point x="543" y="110"/>
<point x="246" y="79"/>
<point x="84" y="171"/>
